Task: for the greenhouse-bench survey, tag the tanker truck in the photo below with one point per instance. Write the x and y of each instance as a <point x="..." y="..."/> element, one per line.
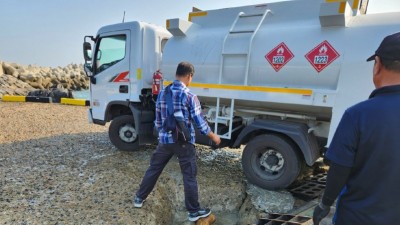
<point x="273" y="78"/>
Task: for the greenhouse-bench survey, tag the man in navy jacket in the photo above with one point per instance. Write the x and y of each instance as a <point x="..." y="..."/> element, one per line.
<point x="365" y="150"/>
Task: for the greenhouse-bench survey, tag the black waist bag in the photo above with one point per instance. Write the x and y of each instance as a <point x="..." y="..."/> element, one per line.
<point x="175" y="123"/>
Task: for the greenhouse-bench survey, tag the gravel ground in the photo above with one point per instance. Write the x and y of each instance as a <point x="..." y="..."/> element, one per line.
<point x="56" y="168"/>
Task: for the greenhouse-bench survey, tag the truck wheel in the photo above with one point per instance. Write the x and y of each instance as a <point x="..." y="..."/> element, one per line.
<point x="123" y="134"/>
<point x="271" y="162"/>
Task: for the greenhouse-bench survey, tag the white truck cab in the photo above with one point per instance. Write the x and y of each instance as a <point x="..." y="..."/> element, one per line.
<point x="125" y="57"/>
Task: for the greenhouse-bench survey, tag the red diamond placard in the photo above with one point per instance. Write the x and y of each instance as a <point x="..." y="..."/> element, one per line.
<point x="322" y="55"/>
<point x="279" y="56"/>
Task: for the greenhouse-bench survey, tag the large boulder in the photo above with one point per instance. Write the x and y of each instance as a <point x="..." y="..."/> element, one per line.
<point x="46" y="82"/>
<point x="270" y="201"/>
<point x="10" y="70"/>
<point x="31" y="77"/>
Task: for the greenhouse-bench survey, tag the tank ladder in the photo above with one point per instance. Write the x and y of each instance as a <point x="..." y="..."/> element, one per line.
<point x="232" y="31"/>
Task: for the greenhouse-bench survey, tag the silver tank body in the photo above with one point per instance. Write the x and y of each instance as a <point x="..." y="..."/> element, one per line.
<point x="297" y="87"/>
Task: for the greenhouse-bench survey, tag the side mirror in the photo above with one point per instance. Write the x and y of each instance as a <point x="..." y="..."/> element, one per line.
<point x="87" y="51"/>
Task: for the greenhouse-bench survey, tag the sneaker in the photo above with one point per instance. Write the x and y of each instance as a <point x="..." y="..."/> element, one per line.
<point x="194" y="216"/>
<point x="138" y="202"/>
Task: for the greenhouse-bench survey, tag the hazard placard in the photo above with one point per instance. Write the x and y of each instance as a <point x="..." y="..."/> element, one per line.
<point x="279" y="56"/>
<point x="322" y="55"/>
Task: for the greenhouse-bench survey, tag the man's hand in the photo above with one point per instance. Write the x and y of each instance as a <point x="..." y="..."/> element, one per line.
<point x="215" y="138"/>
<point x="320" y="212"/>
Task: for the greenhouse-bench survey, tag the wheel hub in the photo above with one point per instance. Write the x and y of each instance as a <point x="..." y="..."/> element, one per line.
<point x="272" y="160"/>
<point x="128" y="133"/>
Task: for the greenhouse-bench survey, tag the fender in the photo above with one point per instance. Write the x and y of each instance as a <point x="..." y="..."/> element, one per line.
<point x="297" y="132"/>
<point x="108" y="115"/>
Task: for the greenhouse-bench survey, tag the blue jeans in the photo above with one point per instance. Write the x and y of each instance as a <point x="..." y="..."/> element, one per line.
<point x="186" y="154"/>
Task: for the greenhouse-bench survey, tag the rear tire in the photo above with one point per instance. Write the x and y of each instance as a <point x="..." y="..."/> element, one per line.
<point x="271" y="162"/>
<point x="123" y="134"/>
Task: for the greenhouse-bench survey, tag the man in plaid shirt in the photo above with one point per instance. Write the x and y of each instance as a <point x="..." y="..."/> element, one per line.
<point x="186" y="102"/>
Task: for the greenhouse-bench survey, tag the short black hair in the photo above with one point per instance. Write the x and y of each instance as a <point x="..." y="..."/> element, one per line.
<point x="184" y="69"/>
<point x="392" y="65"/>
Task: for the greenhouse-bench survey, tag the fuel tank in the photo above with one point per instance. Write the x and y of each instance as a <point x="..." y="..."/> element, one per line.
<point x="305" y="57"/>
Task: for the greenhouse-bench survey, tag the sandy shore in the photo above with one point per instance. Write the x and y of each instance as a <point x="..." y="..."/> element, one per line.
<point x="27" y="121"/>
<point x="56" y="168"/>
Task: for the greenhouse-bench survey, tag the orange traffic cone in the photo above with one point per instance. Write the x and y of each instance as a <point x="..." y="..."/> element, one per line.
<point x="206" y="220"/>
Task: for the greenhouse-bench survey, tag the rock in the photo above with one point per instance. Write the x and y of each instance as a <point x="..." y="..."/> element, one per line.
<point x="270" y="201"/>
<point x="21" y="70"/>
<point x="35" y="77"/>
<point x="23" y="77"/>
<point x="1" y="68"/>
<point x="15" y="65"/>
<point x="247" y="213"/>
<point x="30" y="77"/>
<point x="36" y="85"/>
<point x="10" y="70"/>
<point x="12" y="86"/>
<point x="55" y="83"/>
<point x="46" y="82"/>
<point x="39" y="93"/>
<point x="20" y="91"/>
<point x="55" y="93"/>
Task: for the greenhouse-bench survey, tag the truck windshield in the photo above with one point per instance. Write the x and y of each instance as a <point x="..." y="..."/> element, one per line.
<point x="110" y="51"/>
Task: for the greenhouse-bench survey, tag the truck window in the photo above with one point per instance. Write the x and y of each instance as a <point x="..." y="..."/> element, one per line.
<point x="111" y="50"/>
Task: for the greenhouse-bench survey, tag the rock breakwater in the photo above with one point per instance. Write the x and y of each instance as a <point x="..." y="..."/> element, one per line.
<point x="17" y="79"/>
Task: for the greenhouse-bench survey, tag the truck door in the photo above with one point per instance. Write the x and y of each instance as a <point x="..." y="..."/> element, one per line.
<point x="110" y="82"/>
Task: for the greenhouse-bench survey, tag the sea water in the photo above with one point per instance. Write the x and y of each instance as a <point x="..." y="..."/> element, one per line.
<point x="83" y="94"/>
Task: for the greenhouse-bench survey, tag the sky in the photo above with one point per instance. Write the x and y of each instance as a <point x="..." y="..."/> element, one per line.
<point x="50" y="32"/>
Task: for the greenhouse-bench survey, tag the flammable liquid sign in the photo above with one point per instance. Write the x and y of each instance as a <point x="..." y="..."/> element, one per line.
<point x="279" y="56"/>
<point x="322" y="55"/>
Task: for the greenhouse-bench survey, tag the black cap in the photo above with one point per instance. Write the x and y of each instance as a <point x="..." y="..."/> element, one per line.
<point x="389" y="48"/>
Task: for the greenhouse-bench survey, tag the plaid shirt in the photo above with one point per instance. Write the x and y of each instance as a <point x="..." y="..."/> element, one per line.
<point x="188" y="103"/>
